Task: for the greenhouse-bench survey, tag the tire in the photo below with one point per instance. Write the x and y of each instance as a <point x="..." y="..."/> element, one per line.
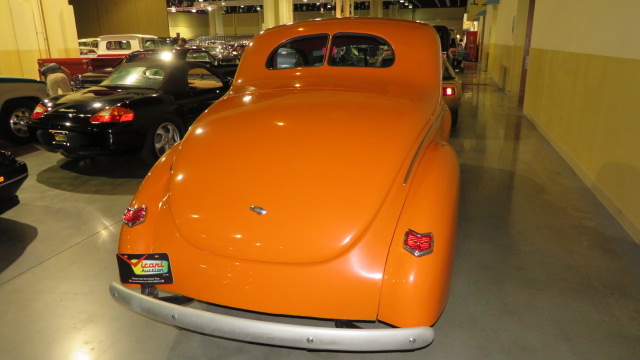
<point x="14" y="117"/>
<point x="163" y="134"/>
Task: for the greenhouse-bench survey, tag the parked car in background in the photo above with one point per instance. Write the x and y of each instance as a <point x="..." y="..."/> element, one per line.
<point x="222" y="54"/>
<point x="18" y="98"/>
<point x="111" y="49"/>
<point x="238" y="49"/>
<point x="88" y="43"/>
<point x="120" y="45"/>
<point x="88" y="52"/>
<point x="168" y="41"/>
<point x="12" y="174"/>
<point x="451" y="91"/>
<point x="94" y="78"/>
<point x="144" y="107"/>
<point x="323" y="189"/>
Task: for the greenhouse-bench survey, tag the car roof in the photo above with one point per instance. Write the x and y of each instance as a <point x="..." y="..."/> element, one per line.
<point x="175" y="78"/>
<point x="125" y="37"/>
<point x="416" y="69"/>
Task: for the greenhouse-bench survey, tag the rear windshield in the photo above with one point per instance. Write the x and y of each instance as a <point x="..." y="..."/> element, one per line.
<point x="304" y="51"/>
<point x="360" y="50"/>
<point x="139" y="76"/>
<point x="118" y="45"/>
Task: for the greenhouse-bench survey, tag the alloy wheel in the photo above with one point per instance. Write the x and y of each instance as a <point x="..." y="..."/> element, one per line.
<point x="18" y="122"/>
<point x="166" y="136"/>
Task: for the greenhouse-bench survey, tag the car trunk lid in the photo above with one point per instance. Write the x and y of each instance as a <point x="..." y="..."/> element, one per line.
<point x="288" y="176"/>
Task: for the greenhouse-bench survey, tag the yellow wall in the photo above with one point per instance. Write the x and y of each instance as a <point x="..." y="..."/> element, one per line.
<point x="241" y="24"/>
<point x="188" y="24"/>
<point x="508" y="24"/>
<point x="99" y="17"/>
<point x="32" y="29"/>
<point x="582" y="95"/>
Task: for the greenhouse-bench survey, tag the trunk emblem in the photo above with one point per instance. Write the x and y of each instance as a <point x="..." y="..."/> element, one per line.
<point x="258" y="210"/>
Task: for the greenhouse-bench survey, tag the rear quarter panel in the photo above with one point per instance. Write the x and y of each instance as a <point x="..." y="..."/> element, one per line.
<point x="415" y="289"/>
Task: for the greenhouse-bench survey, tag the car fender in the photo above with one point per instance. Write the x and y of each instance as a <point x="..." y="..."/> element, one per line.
<point x="32" y="91"/>
<point x="415" y="289"/>
<point x="153" y="194"/>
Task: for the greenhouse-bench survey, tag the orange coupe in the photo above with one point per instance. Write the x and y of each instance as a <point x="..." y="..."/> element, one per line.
<point x="321" y="186"/>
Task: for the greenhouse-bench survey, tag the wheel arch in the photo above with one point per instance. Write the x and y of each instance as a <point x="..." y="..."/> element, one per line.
<point x="8" y="102"/>
<point x="414" y="290"/>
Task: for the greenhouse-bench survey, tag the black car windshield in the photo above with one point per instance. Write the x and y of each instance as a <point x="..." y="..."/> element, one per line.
<point x="138" y="76"/>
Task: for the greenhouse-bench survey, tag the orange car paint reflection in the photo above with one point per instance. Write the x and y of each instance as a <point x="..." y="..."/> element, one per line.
<point x="327" y="152"/>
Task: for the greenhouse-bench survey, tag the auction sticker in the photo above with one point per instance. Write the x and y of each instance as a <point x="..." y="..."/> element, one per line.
<point x="145" y="268"/>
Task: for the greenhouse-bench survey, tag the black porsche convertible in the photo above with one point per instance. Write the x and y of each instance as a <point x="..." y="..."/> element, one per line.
<point x="12" y="174"/>
<point x="143" y="107"/>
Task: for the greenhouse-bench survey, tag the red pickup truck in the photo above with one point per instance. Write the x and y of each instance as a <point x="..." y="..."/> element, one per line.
<point x="111" y="48"/>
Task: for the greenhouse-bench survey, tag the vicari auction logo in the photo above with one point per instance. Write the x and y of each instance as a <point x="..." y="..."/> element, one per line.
<point x="145" y="266"/>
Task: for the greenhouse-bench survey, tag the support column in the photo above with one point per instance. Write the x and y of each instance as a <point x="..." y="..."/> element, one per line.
<point x="375" y="8"/>
<point x="393" y="11"/>
<point x="33" y="29"/>
<point x="285" y="11"/>
<point x="347" y="8"/>
<point x="277" y="12"/>
<point x="270" y="11"/>
<point x="215" y="20"/>
<point x="338" y="8"/>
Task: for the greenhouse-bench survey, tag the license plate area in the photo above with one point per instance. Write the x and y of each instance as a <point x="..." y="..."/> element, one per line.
<point x="145" y="268"/>
<point x="59" y="137"/>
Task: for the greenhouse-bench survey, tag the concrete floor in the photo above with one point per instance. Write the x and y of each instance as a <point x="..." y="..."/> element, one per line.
<point x="542" y="270"/>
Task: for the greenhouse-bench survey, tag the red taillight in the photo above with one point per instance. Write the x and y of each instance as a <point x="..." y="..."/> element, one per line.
<point x="418" y="244"/>
<point x="39" y="111"/>
<point x="135" y="216"/>
<point x="114" y="114"/>
<point x="448" y="91"/>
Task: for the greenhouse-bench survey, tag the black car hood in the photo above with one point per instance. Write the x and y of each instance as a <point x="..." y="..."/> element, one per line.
<point x="94" y="99"/>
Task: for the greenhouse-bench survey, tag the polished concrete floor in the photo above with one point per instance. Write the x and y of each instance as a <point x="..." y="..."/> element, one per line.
<point x="542" y="271"/>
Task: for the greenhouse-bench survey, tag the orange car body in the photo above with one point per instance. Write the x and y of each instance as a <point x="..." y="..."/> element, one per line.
<point x="343" y="159"/>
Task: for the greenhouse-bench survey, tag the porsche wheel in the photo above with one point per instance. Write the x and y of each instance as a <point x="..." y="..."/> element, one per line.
<point x="163" y="135"/>
<point x="14" y="116"/>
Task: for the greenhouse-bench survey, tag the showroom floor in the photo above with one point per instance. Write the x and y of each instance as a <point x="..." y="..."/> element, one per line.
<point x="542" y="270"/>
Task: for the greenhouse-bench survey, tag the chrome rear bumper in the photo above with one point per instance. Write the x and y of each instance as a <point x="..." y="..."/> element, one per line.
<point x="257" y="331"/>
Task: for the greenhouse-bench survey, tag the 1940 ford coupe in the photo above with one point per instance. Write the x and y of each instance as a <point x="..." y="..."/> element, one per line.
<point x="321" y="186"/>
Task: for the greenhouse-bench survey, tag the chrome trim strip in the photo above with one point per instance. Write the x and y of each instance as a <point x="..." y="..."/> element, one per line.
<point x="257" y="331"/>
<point x="424" y="141"/>
<point x="13" y="180"/>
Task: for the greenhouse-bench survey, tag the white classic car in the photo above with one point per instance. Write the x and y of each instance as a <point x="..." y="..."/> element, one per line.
<point x="18" y="98"/>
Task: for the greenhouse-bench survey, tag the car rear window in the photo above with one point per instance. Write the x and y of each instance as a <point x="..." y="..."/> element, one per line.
<point x="303" y="51"/>
<point x="198" y="56"/>
<point x="118" y="45"/>
<point x="139" y="76"/>
<point x="360" y="50"/>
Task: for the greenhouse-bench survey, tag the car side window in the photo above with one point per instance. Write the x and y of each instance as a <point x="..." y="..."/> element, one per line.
<point x="303" y="51"/>
<point x="360" y="50"/>
<point x="118" y="45"/>
<point x="201" y="79"/>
